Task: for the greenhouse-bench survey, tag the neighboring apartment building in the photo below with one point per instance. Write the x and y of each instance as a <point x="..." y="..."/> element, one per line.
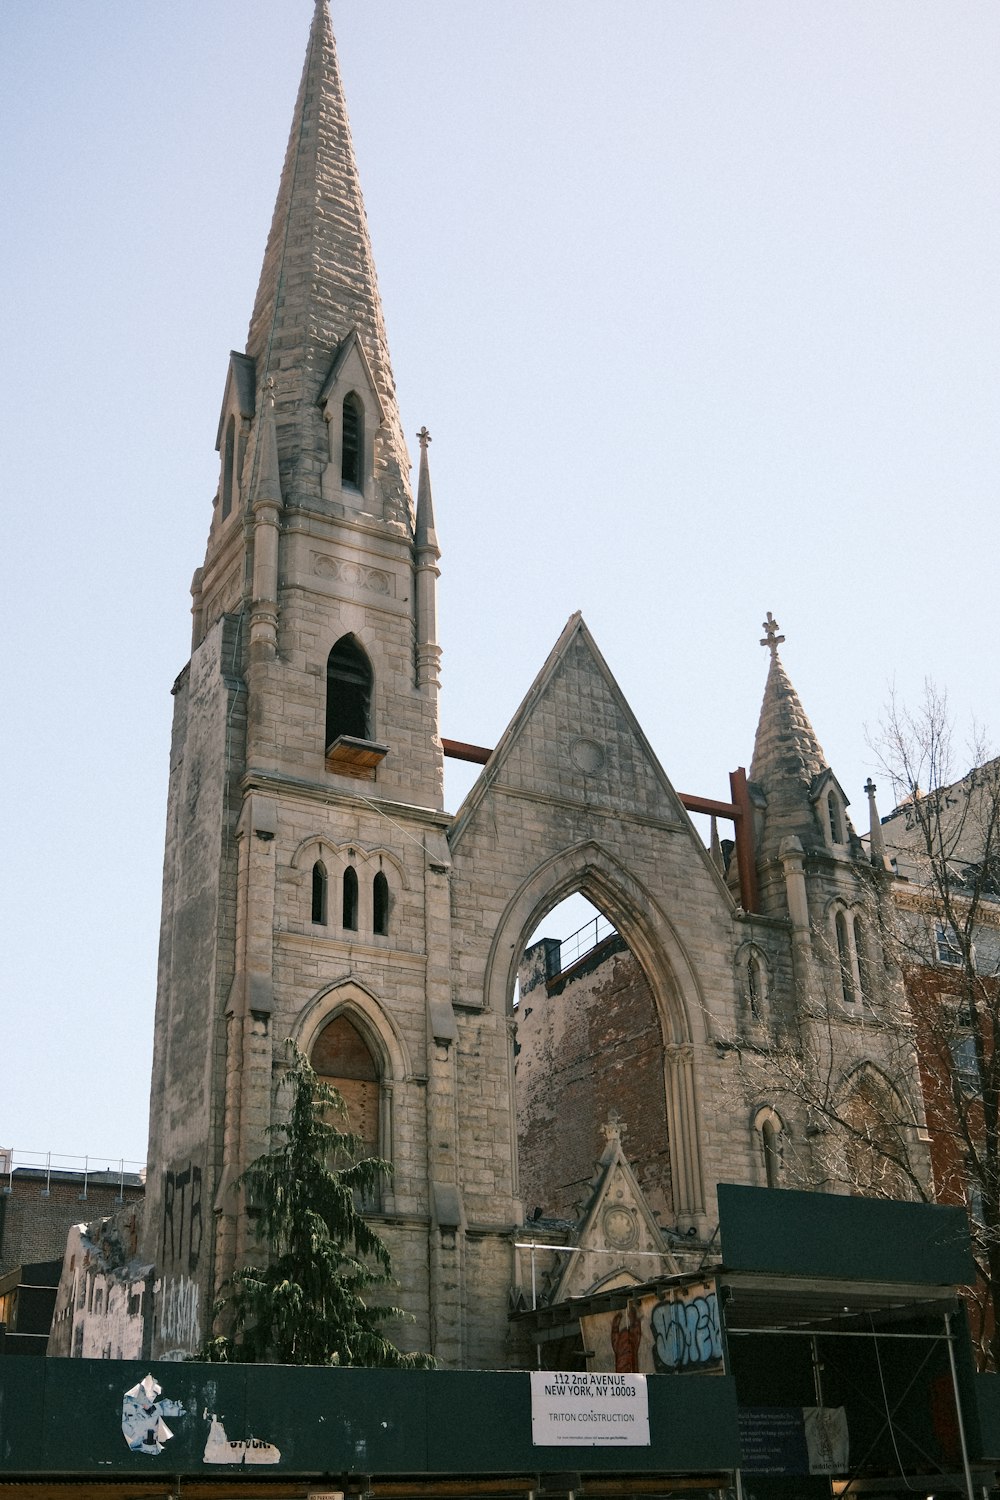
<point x="316" y="888"/>
<point x="38" y="1204"/>
<point x="943" y="847"/>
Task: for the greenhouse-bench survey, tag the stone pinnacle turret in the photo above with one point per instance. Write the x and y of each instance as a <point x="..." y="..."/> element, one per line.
<point x="787" y="756"/>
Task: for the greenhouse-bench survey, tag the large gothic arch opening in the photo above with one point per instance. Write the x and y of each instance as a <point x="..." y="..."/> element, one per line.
<point x="600" y="1000"/>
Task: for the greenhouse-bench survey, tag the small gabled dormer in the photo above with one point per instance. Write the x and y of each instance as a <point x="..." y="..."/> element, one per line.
<point x="238" y="403"/>
<point x="827" y="796"/>
<point x="353" y="413"/>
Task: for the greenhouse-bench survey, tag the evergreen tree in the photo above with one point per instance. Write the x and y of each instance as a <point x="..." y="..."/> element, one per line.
<point x="306" y="1304"/>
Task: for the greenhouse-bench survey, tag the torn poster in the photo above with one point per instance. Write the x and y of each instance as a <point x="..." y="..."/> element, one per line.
<point x="143" y="1412"/>
<point x="220" y="1449"/>
<point x="827" y="1439"/>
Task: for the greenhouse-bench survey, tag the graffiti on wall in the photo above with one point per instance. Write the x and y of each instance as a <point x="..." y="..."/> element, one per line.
<point x="675" y="1331"/>
<point x="179" y="1313"/>
<point x="182" y="1221"/>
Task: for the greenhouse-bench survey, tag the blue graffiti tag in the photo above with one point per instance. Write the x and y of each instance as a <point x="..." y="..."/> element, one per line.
<point x="686" y="1334"/>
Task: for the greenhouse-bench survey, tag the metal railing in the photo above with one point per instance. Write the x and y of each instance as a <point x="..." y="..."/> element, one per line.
<point x="88" y="1169"/>
<point x="584" y="940"/>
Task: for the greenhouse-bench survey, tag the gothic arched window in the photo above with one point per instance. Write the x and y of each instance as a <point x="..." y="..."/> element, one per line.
<point x="864" y="966"/>
<point x="771" y="1144"/>
<point x="350" y="899"/>
<point x="229" y="467"/>
<point x="319" y="890"/>
<point x="352" y="442"/>
<point x="844" y="959"/>
<point x="344" y="1061"/>
<point x="348" y="691"/>
<point x="380" y="905"/>
<point x="755" y="987"/>
<point x="771" y="1141"/>
<point x="834" y="815"/>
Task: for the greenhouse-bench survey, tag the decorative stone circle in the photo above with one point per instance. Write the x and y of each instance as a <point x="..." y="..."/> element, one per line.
<point x="587" y="755"/>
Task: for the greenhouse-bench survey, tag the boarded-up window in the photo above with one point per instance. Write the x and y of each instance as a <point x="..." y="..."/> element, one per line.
<point x="342" y="1059"/>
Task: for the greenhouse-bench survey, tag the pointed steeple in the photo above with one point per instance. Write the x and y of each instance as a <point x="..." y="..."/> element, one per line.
<point x="876" y="841"/>
<point x="318" y="287"/>
<point x="787" y="756"/>
<point x="267" y="478"/>
<point x="715" y="848"/>
<point x="426" y="553"/>
<point x="426" y="536"/>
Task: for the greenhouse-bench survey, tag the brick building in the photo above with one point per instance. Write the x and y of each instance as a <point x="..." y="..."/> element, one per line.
<point x="38" y="1206"/>
<point x="315" y="887"/>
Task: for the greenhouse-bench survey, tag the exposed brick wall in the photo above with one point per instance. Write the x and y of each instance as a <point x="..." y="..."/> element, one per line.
<point x="34" y="1226"/>
<point x="589" y="1043"/>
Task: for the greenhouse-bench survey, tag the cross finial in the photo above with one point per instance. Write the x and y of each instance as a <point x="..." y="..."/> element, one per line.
<point x="870" y="787"/>
<point x="615" y="1126"/>
<point x="771" y="637"/>
<point x="269" y="388"/>
<point x="423" y="437"/>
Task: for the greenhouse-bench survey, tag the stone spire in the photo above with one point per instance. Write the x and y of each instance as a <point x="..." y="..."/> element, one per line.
<point x="787" y="756"/>
<point x="318" y="285"/>
<point x="876" y="841"/>
<point x="426" y="536"/>
<point x="426" y="553"/>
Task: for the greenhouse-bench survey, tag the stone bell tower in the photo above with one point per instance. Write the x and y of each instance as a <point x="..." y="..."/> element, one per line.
<point x="305" y="877"/>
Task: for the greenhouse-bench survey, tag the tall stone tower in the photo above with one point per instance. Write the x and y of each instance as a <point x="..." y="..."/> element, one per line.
<point x="306" y="857"/>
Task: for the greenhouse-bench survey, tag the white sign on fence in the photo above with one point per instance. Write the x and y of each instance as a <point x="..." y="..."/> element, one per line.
<point x="574" y="1410"/>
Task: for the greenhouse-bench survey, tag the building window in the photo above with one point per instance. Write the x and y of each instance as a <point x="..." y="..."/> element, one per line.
<point x="348" y="691"/>
<point x="344" y="1061"/>
<point x="319" y="889"/>
<point x="965" y="1063"/>
<point x="844" y="959"/>
<point x="864" y="964"/>
<point x="352" y="441"/>
<point x="771" y="1144"/>
<point x="350" y="899"/>
<point x="380" y="905"/>
<point x="833" y="813"/>
<point x="229" y="467"/>
<point x="755" y="987"/>
<point x="948" y="949"/>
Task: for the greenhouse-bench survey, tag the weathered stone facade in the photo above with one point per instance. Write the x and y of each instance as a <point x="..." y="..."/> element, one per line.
<point x="313" y="876"/>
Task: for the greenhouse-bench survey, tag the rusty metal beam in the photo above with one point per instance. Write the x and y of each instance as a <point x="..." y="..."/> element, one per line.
<point x="459" y="750"/>
<point x="708" y="805"/>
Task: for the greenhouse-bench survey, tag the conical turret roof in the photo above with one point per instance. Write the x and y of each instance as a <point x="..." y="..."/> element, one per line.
<point x="787" y="756"/>
<point x="318" y="284"/>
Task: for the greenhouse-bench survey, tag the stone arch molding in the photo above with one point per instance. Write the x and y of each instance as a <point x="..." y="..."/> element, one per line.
<point x="337" y="857"/>
<point x="867" y="1076"/>
<point x="593" y="871"/>
<point x="348" y="997"/>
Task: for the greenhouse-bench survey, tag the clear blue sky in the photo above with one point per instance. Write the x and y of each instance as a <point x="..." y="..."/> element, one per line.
<point x="699" y="301"/>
